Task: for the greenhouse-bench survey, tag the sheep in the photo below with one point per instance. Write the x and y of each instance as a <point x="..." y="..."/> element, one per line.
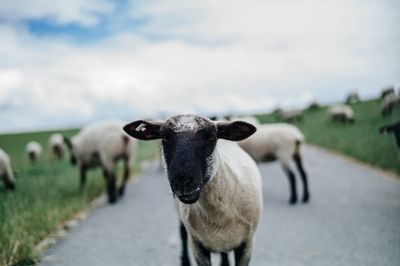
<point x="387" y="91"/>
<point x="102" y="144"/>
<point x="295" y="115"/>
<point x="33" y="150"/>
<point x="280" y="142"/>
<point x="56" y="144"/>
<point x="395" y="128"/>
<point x="6" y="172"/>
<point x="390" y="102"/>
<point x="352" y="98"/>
<point x="314" y="106"/>
<point x="216" y="185"/>
<point x="342" y="113"/>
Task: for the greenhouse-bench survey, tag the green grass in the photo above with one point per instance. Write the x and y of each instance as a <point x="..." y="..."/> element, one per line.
<point x="360" y="140"/>
<point x="46" y="195"/>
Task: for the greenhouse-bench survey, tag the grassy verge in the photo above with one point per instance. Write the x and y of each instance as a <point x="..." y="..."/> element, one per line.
<point x="360" y="140"/>
<point x="47" y="194"/>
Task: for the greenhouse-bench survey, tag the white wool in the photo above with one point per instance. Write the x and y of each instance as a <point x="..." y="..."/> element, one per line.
<point x="273" y="139"/>
<point x="337" y="110"/>
<point x="56" y="139"/>
<point x="230" y="204"/>
<point x="105" y="139"/>
<point x="34" y="147"/>
<point x="390" y="99"/>
<point x="5" y="166"/>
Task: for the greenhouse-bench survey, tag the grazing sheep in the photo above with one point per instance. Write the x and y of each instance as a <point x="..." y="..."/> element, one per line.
<point x="6" y="172"/>
<point x="395" y="128"/>
<point x="342" y="113"/>
<point x="102" y="144"/>
<point x="295" y="115"/>
<point x="352" y="98"/>
<point x="56" y="144"/>
<point x="390" y="102"/>
<point x="217" y="185"/>
<point x="33" y="150"/>
<point x="279" y="142"/>
<point x="387" y="91"/>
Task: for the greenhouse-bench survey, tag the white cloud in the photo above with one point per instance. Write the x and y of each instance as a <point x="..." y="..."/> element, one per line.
<point x="212" y="57"/>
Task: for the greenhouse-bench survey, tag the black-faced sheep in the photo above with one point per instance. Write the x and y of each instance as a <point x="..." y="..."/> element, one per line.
<point x="216" y="184"/>
<point x="341" y="113"/>
<point x="392" y="128"/>
<point x="56" y="145"/>
<point x="390" y="102"/>
<point x="102" y="144"/>
<point x="352" y="98"/>
<point x="6" y="172"/>
<point x="33" y="150"/>
<point x="279" y="142"/>
<point x="387" y="91"/>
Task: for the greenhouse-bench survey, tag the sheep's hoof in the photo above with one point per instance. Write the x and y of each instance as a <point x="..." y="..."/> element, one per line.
<point x="292" y="200"/>
<point x="306" y="198"/>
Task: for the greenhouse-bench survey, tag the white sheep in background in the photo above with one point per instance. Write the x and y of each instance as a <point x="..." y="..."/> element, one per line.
<point x="280" y="142"/>
<point x="389" y="103"/>
<point x="6" y="172"/>
<point x="56" y="145"/>
<point x="295" y="115"/>
<point x="342" y="113"/>
<point x="103" y="144"/>
<point x="33" y="150"/>
<point x="217" y="185"/>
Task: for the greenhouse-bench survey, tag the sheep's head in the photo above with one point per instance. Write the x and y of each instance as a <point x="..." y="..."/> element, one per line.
<point x="70" y="146"/>
<point x="188" y="148"/>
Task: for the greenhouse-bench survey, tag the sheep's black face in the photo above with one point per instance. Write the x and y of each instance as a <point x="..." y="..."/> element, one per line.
<point x="188" y="145"/>
<point x="188" y="148"/>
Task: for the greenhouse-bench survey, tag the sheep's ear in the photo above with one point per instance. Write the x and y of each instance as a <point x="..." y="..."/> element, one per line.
<point x="67" y="142"/>
<point x="236" y="131"/>
<point x="144" y="130"/>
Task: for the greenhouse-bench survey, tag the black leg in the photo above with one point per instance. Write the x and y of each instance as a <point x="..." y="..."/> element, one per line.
<point x="292" y="185"/>
<point x="224" y="259"/>
<point x="126" y="176"/>
<point x="185" y="261"/>
<point x="8" y="183"/>
<point x="242" y="254"/>
<point x="111" y="188"/>
<point x="82" y="171"/>
<point x="201" y="254"/>
<point x="299" y="164"/>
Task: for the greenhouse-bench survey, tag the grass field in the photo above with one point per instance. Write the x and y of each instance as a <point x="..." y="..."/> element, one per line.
<point x="360" y="140"/>
<point x="46" y="194"/>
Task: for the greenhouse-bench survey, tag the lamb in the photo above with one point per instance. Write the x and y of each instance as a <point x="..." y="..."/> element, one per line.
<point x="342" y="113"/>
<point x="6" y="172"/>
<point x="395" y="128"/>
<point x="33" y="150"/>
<point x="102" y="144"/>
<point x="352" y="98"/>
<point x="56" y="144"/>
<point x="390" y="102"/>
<point x="216" y="185"/>
<point x="280" y="142"/>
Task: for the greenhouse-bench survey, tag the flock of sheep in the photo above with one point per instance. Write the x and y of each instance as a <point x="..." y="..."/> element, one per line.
<point x="215" y="182"/>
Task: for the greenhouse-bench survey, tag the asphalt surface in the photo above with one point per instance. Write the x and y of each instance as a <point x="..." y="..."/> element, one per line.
<point x="353" y="219"/>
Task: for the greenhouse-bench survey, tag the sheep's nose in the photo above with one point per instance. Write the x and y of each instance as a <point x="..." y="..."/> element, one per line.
<point x="179" y="185"/>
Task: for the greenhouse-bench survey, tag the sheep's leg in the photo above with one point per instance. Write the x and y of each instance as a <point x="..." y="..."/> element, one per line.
<point x="299" y="164"/>
<point x="111" y="186"/>
<point x="224" y="259"/>
<point x="292" y="183"/>
<point x="126" y="176"/>
<point x="185" y="261"/>
<point x="201" y="254"/>
<point x="82" y="171"/>
<point x="243" y="254"/>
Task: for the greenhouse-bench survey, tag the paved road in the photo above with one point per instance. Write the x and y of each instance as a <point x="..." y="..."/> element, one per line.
<point x="353" y="219"/>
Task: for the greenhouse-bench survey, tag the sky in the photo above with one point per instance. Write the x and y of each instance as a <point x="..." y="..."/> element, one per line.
<point x="67" y="63"/>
